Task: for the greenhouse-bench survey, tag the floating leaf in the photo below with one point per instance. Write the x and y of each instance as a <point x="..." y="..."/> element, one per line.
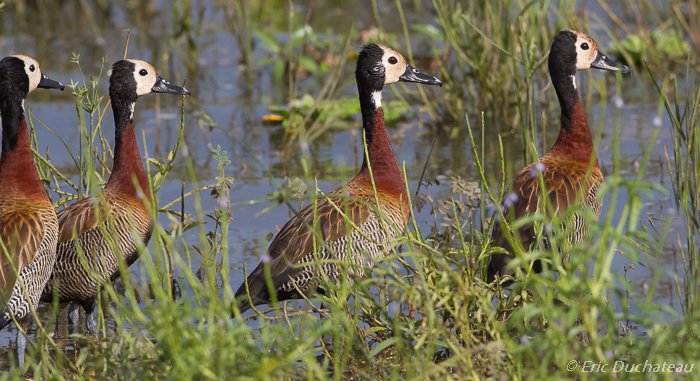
<point x="272" y="118"/>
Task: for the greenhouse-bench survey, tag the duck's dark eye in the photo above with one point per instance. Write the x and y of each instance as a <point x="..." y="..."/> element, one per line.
<point x="32" y="68"/>
<point x="393" y="60"/>
<point x="584" y="46"/>
<point x="143" y="72"/>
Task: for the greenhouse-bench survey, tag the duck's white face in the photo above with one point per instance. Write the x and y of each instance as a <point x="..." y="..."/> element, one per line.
<point x="394" y="65"/>
<point x="586" y="51"/>
<point x="31" y="67"/>
<point x="397" y="69"/>
<point x="145" y="76"/>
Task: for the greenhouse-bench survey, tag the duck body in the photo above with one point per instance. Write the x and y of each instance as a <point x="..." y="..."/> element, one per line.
<point x="564" y="179"/>
<point x="117" y="217"/>
<point x="368" y="237"/>
<point x="30" y="221"/>
<point x="360" y="247"/>
<point x="76" y="282"/>
<point x="28" y="224"/>
<point x="570" y="169"/>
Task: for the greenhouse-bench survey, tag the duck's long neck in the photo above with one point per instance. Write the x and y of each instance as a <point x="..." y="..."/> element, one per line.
<point x="18" y="174"/>
<point x="385" y="169"/>
<point x="127" y="159"/>
<point x="574" y="141"/>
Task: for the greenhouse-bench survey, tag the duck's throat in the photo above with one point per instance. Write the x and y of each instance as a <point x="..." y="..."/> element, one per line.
<point x="128" y="174"/>
<point x="574" y="141"/>
<point x="385" y="168"/>
<point x="18" y="173"/>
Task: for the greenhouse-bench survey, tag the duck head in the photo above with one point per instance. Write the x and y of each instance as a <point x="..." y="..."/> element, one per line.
<point x="379" y="66"/>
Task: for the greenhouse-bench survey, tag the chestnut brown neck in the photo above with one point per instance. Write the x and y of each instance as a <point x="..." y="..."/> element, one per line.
<point x="385" y="169"/>
<point x="127" y="164"/>
<point x="18" y="174"/>
<point x="574" y="141"/>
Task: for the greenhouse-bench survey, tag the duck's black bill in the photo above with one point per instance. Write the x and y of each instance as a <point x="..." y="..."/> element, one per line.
<point x="48" y="83"/>
<point x="413" y="75"/>
<point x="602" y="62"/>
<point x="163" y="86"/>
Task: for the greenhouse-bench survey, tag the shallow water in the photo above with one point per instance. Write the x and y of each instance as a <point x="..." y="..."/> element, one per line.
<point x="219" y="88"/>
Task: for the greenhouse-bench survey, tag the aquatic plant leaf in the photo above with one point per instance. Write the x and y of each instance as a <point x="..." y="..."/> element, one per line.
<point x="269" y="42"/>
<point x="432" y="31"/>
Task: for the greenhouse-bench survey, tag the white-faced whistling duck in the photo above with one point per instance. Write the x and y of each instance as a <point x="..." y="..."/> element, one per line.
<point x="377" y="67"/>
<point x="28" y="225"/>
<point x="120" y="202"/>
<point x="569" y="169"/>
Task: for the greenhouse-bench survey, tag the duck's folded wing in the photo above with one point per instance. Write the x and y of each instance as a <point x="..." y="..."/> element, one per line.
<point x="77" y="219"/>
<point x="563" y="185"/>
<point x="566" y="185"/>
<point x="21" y="232"/>
<point x="296" y="239"/>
